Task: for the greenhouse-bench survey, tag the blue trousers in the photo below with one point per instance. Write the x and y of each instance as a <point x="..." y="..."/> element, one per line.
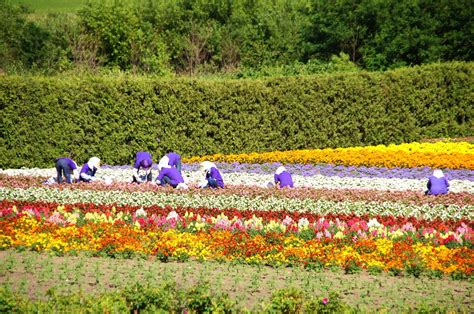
<point x="211" y="182"/>
<point x="166" y="180"/>
<point x="62" y="168"/>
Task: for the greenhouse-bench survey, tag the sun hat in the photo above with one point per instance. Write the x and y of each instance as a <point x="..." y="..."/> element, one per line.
<point x="280" y="170"/>
<point x="437" y="173"/>
<point x="94" y="162"/>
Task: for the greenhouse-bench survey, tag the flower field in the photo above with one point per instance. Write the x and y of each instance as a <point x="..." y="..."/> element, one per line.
<point x="354" y="209"/>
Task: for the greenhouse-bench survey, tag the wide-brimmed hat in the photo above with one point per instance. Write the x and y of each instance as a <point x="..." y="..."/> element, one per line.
<point x="437" y="173"/>
<point x="207" y="165"/>
<point x="94" y="162"/>
<point x="280" y="170"/>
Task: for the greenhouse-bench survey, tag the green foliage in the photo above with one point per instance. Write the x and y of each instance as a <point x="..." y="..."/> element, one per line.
<point x="286" y="301"/>
<point x="140" y="297"/>
<point x="23" y="44"/>
<point x="351" y="267"/>
<point x="332" y="304"/>
<point x="124" y="39"/>
<point x="113" y="117"/>
<point x="245" y="38"/>
<point x="8" y="301"/>
<point x="200" y="299"/>
<point x="374" y="270"/>
<point x="292" y="300"/>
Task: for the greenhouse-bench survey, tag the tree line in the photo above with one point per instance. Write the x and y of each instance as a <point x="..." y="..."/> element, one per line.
<point x="243" y="38"/>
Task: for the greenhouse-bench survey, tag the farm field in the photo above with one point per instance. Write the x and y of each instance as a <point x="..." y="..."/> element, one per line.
<point x="355" y="233"/>
<point x="250" y="286"/>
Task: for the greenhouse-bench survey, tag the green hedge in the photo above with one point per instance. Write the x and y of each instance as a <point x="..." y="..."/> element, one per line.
<point x="113" y="117"/>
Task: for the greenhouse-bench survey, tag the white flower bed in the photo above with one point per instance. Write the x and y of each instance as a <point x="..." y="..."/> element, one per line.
<point x="317" y="181"/>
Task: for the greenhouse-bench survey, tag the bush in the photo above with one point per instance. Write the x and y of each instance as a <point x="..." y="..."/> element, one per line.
<point x="113" y="117"/>
<point x="286" y="301"/>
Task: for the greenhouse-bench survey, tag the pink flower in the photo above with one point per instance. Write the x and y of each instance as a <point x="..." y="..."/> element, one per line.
<point x="325" y="301"/>
<point x="287" y="221"/>
<point x="327" y="234"/>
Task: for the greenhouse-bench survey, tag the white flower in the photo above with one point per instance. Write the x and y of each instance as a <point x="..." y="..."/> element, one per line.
<point x="108" y="180"/>
<point x="140" y="213"/>
<point x="172" y="215"/>
<point x="373" y="223"/>
<point x="303" y="223"/>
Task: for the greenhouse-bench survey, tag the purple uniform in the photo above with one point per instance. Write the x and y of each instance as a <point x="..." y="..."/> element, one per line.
<point x="173" y="175"/>
<point x="64" y="166"/>
<point x="284" y="178"/>
<point x="174" y="159"/>
<point x="216" y="175"/>
<point x="142" y="156"/>
<point x="88" y="171"/>
<point x="69" y="162"/>
<point x="437" y="185"/>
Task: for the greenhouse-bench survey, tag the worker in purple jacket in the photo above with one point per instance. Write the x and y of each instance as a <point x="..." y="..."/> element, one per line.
<point x="283" y="178"/>
<point x="437" y="183"/>
<point x="67" y="167"/>
<point x="171" y="159"/>
<point x="213" y="176"/>
<point x="89" y="169"/>
<point x="170" y="175"/>
<point x="143" y="164"/>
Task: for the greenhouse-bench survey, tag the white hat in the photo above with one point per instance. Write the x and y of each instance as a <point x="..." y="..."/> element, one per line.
<point x="280" y="170"/>
<point x="207" y="165"/>
<point x="94" y="162"/>
<point x="163" y="163"/>
<point x="438" y="173"/>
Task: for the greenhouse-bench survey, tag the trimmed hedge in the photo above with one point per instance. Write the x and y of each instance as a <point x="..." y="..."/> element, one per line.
<point x="113" y="117"/>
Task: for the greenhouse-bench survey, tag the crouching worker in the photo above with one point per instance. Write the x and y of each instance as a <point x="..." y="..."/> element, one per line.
<point x="283" y="178"/>
<point x="66" y="167"/>
<point x="437" y="183"/>
<point x="170" y="175"/>
<point x="213" y="176"/>
<point x="143" y="164"/>
<point x="89" y="169"/>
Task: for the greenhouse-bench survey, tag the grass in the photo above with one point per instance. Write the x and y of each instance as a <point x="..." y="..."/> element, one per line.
<point x="52" y="6"/>
<point x="33" y="274"/>
<point x="43" y="7"/>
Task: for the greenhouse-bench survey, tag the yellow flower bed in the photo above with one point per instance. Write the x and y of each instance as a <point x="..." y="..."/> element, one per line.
<point x="458" y="155"/>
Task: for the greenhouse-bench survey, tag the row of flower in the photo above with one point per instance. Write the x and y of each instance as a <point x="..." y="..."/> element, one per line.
<point x="406" y="197"/>
<point x="197" y="219"/>
<point x="327" y="242"/>
<point x="303" y="170"/>
<point x="242" y="202"/>
<point x="43" y="209"/>
<point x="435" y="155"/>
<point x="256" y="179"/>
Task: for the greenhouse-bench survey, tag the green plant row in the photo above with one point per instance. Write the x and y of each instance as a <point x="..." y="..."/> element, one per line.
<point x="113" y="117"/>
<point x="169" y="299"/>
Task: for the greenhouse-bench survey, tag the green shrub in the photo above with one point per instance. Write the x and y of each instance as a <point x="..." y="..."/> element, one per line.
<point x="331" y="304"/>
<point x="43" y="118"/>
<point x="286" y="301"/>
